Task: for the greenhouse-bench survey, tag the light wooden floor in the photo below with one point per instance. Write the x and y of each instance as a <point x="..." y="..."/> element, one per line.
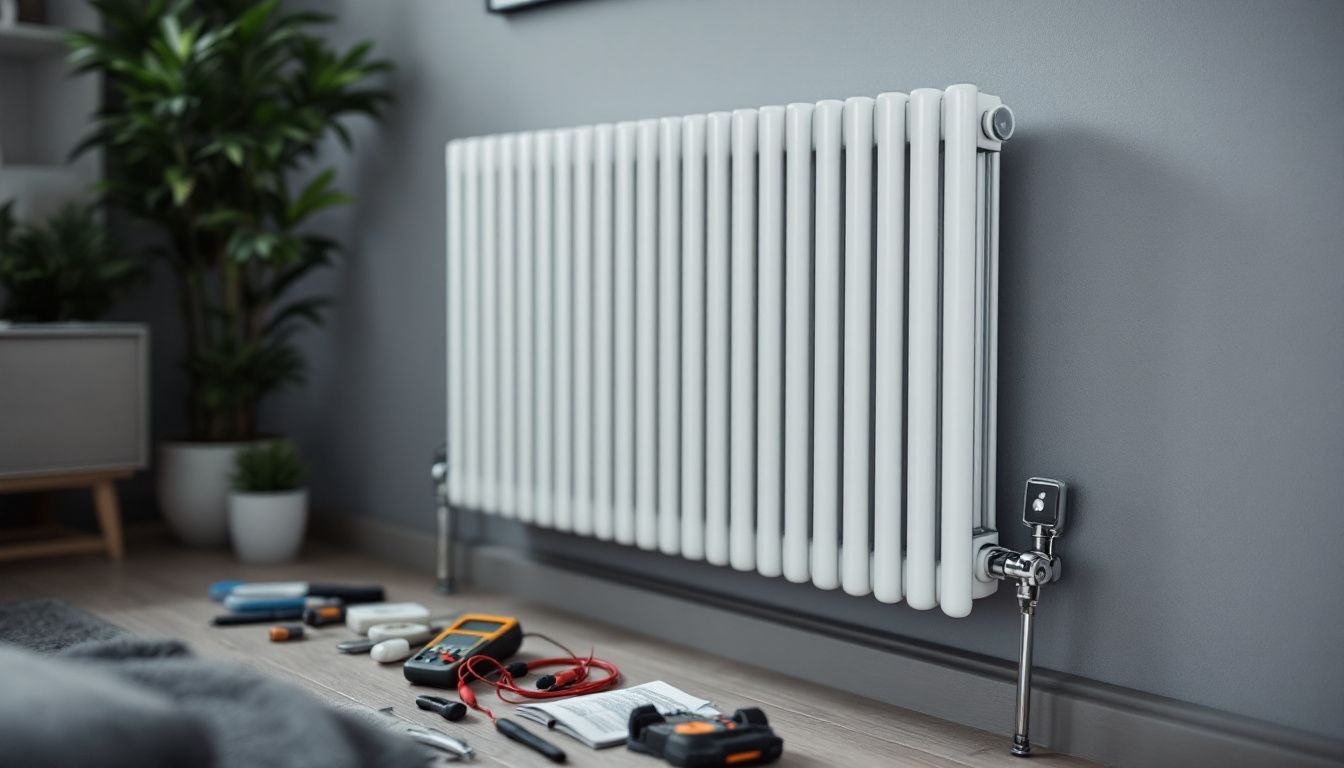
<point x="160" y="590"/>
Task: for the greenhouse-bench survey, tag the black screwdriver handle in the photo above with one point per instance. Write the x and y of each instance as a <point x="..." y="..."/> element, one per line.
<point x="450" y="710"/>
<point x="530" y="740"/>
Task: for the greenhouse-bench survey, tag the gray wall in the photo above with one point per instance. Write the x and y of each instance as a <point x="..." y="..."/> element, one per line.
<point x="1173" y="292"/>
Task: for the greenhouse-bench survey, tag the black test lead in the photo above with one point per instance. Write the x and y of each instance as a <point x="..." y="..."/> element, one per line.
<point x="530" y="740"/>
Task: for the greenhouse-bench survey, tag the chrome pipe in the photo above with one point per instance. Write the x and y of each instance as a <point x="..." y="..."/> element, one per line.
<point x="1021" y="741"/>
<point x="444" y="569"/>
<point x="444" y="582"/>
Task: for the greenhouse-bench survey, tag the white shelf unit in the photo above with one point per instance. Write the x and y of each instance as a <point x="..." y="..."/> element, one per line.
<point x="44" y="113"/>
<point x="31" y="41"/>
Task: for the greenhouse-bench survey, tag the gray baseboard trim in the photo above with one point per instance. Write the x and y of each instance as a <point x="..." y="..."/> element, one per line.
<point x="404" y="546"/>
<point x="1098" y="721"/>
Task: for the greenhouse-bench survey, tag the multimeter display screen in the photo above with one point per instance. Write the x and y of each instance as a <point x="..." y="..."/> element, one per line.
<point x="460" y="641"/>
<point x="479" y="626"/>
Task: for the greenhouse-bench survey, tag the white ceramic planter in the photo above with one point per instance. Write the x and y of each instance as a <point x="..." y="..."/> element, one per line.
<point x="194" y="480"/>
<point x="268" y="527"/>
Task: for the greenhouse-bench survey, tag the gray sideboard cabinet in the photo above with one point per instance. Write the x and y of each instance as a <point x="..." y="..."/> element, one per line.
<point x="74" y="413"/>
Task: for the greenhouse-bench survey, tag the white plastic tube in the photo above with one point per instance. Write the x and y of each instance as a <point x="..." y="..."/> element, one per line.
<point x="646" y="336"/>
<point x="889" y="350"/>
<point x="624" y="292"/>
<point x="525" y="267"/>
<point x="471" y="241"/>
<point x="921" y="508"/>
<point x="770" y="343"/>
<point x="490" y="463"/>
<point x="506" y="288"/>
<point x="798" y="344"/>
<point x="582" y="498"/>
<point x="669" y="335"/>
<point x="856" y="555"/>
<point x="456" y="293"/>
<point x="827" y="347"/>
<point x="961" y="125"/>
<point x="717" y="139"/>
<point x="603" y="334"/>
<point x="562" y="326"/>
<point x="693" y="338"/>
<point x="544" y="330"/>
<point x="742" y="345"/>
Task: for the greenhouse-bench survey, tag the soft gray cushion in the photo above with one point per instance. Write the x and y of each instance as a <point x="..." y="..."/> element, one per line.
<point x="58" y="712"/>
<point x="108" y="699"/>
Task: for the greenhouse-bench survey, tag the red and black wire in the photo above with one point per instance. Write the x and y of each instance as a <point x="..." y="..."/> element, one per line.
<point x="574" y="680"/>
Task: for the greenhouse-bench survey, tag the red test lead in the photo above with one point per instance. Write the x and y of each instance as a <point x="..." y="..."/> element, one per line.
<point x="572" y="681"/>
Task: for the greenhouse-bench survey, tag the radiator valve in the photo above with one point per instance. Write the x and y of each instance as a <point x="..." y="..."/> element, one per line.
<point x="438" y="475"/>
<point x="1043" y="512"/>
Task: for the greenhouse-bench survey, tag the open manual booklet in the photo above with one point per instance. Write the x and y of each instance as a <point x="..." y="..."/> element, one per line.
<point x="601" y="720"/>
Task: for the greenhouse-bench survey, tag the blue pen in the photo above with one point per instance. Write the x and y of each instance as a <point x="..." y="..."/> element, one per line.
<point x="221" y="589"/>
<point x="250" y="604"/>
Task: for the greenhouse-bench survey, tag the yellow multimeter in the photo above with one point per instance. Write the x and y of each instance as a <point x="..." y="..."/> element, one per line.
<point x="471" y="634"/>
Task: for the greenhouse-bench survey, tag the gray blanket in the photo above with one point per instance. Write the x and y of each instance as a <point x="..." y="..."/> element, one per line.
<point x="116" y="700"/>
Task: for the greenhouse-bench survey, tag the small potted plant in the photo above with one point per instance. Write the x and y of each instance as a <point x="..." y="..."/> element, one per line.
<point x="66" y="268"/>
<point x="268" y="509"/>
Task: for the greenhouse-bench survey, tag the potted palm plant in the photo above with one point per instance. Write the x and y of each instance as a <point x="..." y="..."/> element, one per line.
<point x="216" y="111"/>
<point x="268" y="509"/>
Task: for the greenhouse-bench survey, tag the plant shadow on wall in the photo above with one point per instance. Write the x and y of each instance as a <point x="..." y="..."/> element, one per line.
<point x="216" y="109"/>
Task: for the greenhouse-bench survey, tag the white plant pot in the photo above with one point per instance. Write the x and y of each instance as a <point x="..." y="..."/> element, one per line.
<point x="268" y="527"/>
<point x="194" y="480"/>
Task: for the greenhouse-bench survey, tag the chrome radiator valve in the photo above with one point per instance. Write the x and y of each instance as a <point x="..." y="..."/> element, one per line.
<point x="1043" y="512"/>
<point x="438" y="475"/>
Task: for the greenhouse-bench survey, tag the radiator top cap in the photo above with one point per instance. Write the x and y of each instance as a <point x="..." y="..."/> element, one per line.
<point x="999" y="123"/>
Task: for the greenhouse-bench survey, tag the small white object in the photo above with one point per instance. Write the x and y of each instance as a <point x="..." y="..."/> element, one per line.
<point x="392" y="650"/>
<point x="359" y="618"/>
<point x="412" y="632"/>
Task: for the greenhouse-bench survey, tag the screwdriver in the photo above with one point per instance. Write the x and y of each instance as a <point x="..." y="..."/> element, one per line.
<point x="450" y="710"/>
<point x="530" y="740"/>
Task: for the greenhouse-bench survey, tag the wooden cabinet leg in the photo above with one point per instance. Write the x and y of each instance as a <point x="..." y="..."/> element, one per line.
<point x="109" y="517"/>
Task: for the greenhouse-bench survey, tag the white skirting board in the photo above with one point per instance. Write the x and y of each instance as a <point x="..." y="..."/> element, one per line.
<point x="1114" y="725"/>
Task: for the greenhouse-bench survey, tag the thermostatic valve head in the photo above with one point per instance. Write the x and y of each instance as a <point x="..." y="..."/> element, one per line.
<point x="1044" y="504"/>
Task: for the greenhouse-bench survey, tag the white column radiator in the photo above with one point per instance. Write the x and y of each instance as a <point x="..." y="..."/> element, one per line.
<point x="764" y="338"/>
